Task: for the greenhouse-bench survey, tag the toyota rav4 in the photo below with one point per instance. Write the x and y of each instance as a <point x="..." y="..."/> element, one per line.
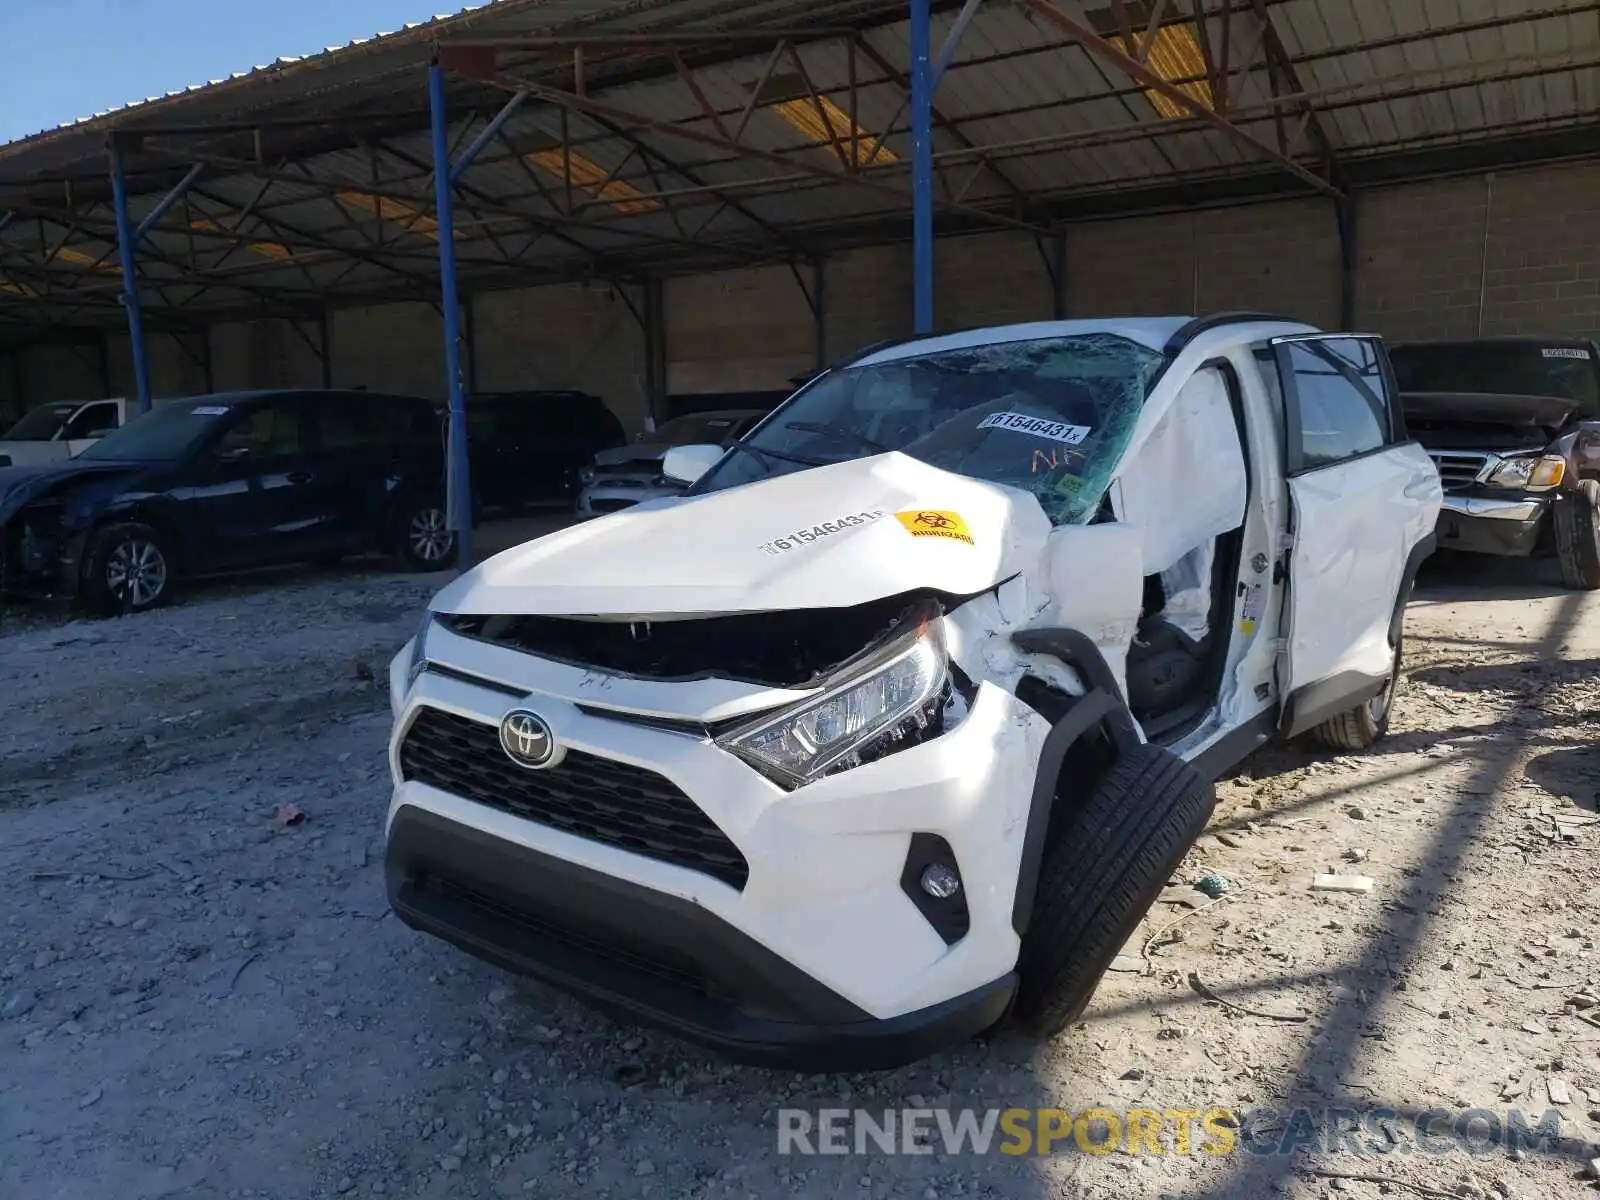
<point x="897" y="720"/>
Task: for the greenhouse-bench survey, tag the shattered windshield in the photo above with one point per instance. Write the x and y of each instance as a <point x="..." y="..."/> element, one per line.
<point x="1050" y="416"/>
<point x="1567" y="372"/>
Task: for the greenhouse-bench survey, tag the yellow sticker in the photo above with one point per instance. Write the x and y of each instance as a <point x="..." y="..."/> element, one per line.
<point x="928" y="522"/>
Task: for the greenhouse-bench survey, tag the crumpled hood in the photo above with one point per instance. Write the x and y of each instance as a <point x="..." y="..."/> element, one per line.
<point x="18" y="485"/>
<point x="827" y="537"/>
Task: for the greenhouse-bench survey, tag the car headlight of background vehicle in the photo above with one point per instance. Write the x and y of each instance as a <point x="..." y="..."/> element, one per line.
<point x="586" y="476"/>
<point x="891" y="697"/>
<point x="1529" y="472"/>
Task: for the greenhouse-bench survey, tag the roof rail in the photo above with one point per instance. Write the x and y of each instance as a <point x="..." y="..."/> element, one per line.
<point x="1193" y="329"/>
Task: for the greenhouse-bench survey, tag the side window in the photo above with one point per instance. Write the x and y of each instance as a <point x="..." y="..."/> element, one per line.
<point x="97" y="420"/>
<point x="346" y="422"/>
<point x="1338" y="399"/>
<point x="271" y="431"/>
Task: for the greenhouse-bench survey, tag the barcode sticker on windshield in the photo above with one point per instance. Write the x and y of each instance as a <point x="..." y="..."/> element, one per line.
<point x="1055" y="431"/>
<point x="210" y="410"/>
<point x="1565" y="352"/>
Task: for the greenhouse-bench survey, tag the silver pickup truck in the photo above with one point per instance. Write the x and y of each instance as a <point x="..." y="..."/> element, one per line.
<point x="61" y="429"/>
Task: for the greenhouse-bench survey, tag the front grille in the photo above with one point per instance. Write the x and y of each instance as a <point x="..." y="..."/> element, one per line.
<point x="597" y="798"/>
<point x="1458" y="469"/>
<point x="669" y="968"/>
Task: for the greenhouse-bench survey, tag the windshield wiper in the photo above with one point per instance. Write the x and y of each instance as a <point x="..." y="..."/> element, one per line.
<point x="761" y="454"/>
<point x="838" y="431"/>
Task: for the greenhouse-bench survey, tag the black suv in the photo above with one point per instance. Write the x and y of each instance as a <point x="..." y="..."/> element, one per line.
<point x="528" y="447"/>
<point x="1513" y="424"/>
<point x="220" y="483"/>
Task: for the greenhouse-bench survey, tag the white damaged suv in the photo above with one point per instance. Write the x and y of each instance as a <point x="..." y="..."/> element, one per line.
<point x="896" y="722"/>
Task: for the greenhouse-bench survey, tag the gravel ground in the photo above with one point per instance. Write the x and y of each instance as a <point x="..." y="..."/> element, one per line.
<point x="197" y="1000"/>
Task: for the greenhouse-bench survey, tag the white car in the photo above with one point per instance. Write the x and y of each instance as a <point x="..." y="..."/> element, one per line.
<point x="898" y="720"/>
<point x="61" y="429"/>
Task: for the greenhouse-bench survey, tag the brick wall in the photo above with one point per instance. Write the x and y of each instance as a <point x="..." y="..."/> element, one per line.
<point x="1423" y="269"/>
<point x="1523" y="244"/>
<point x="569" y="336"/>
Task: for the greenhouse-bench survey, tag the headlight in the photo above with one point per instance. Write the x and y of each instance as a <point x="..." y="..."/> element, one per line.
<point x="879" y="703"/>
<point x="1529" y="473"/>
<point x="586" y="476"/>
<point x="419" y="650"/>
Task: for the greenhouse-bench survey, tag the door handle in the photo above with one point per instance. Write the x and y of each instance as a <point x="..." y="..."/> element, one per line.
<point x="299" y="477"/>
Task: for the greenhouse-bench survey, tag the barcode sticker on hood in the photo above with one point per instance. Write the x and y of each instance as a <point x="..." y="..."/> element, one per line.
<point x="1055" y="431"/>
<point x="1565" y="352"/>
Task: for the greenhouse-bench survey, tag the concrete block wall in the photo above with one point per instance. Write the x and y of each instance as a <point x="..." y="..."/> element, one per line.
<point x="567" y="336"/>
<point x="1515" y="253"/>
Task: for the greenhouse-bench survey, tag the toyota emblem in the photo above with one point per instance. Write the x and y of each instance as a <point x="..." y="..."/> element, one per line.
<point x="526" y="739"/>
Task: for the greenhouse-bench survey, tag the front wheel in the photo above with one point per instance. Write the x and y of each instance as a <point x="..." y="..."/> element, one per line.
<point x="128" y="569"/>
<point x="1102" y="871"/>
<point x="1577" y="521"/>
<point x="423" y="537"/>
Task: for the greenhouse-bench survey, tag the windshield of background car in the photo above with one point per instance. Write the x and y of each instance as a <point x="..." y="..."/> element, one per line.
<point x="40" y="424"/>
<point x="163" y="434"/>
<point x="1502" y="369"/>
<point x="1051" y="416"/>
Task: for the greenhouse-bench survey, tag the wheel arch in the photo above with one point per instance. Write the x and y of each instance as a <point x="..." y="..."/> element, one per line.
<point x="158" y="517"/>
<point x="1088" y="734"/>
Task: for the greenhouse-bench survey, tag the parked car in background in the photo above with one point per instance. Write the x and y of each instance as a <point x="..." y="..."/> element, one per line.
<point x="528" y="447"/>
<point x="61" y="429"/>
<point x="222" y="483"/>
<point x="628" y="475"/>
<point x="901" y="717"/>
<point x="1513" y="425"/>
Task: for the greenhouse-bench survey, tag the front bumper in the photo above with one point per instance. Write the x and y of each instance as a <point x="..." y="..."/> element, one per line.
<point x="641" y="954"/>
<point x="1504" y="525"/>
<point x="825" y="905"/>
<point x="602" y="497"/>
<point x="39" y="559"/>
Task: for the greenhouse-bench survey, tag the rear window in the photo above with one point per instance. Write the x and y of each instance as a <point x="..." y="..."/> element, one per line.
<point x="1501" y="368"/>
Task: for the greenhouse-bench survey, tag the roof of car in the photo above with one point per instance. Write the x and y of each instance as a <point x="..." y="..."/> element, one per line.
<point x="247" y="397"/>
<point x="1164" y="334"/>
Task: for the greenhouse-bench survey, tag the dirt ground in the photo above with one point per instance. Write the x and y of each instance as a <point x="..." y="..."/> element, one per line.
<point x="195" y="1001"/>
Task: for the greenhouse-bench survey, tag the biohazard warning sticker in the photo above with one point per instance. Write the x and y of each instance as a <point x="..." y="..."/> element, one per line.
<point x="939" y="523"/>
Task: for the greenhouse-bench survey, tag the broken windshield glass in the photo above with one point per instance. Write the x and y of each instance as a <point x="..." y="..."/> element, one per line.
<point x="1051" y="416"/>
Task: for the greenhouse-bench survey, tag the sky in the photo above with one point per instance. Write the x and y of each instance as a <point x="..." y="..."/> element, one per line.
<point x="65" y="59"/>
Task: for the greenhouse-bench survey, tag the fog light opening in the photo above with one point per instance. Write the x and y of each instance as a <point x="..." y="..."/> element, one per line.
<point x="940" y="881"/>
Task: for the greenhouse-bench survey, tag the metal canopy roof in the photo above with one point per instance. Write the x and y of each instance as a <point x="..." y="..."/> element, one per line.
<point x="665" y="136"/>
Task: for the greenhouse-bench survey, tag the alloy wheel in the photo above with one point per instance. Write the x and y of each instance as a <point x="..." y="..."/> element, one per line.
<point x="136" y="572"/>
<point x="430" y="539"/>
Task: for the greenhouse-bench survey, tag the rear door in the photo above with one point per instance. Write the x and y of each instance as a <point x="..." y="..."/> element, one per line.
<point x="1364" y="499"/>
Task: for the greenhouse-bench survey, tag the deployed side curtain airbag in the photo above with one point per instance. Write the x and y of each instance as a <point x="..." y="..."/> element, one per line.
<point x="1185" y="484"/>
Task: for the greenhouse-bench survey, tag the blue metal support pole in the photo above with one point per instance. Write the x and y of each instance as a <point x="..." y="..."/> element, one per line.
<point x="921" y="169"/>
<point x="490" y="131"/>
<point x="952" y="40"/>
<point x="130" y="280"/>
<point x="458" y="479"/>
<point x="167" y="201"/>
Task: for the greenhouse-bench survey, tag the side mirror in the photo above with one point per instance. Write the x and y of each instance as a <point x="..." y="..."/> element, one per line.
<point x="686" y="464"/>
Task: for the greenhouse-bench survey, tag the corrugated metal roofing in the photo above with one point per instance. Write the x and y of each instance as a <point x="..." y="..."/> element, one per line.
<point x="318" y="188"/>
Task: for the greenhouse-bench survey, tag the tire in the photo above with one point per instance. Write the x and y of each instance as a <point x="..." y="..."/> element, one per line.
<point x="421" y="539"/>
<point x="1577" y="528"/>
<point x="1102" y="871"/>
<point x="128" y="569"/>
<point x="1366" y="723"/>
